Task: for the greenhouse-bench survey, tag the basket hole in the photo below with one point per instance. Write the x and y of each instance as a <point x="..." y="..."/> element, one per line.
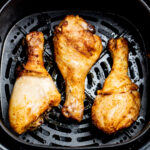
<point x="18" y="33"/>
<point x="81" y="130"/>
<point x="125" y="138"/>
<point x="15" y="37"/>
<point x="104" y="44"/>
<point x="131" y="131"/>
<point x="45" y="64"/>
<point x="52" y="115"/>
<point x="141" y="90"/>
<point x="86" y="103"/>
<point x="85" y="138"/>
<point x="121" y="141"/>
<point x="51" y="70"/>
<point x="137" y="123"/>
<point x="28" y="24"/>
<point x="132" y="43"/>
<point x="84" y="121"/>
<point x="89" y="79"/>
<point x="15" y="50"/>
<point x="32" y="20"/>
<point x="37" y="137"/>
<point x="87" y="113"/>
<point x="12" y="41"/>
<point x="62" y="101"/>
<point x="25" y="27"/>
<point x="23" y="53"/>
<point x="62" y="138"/>
<point x="97" y="72"/>
<point x="131" y="47"/>
<point x="8" y="68"/>
<point x="109" y="59"/>
<point x="59" y="82"/>
<point x="104" y="67"/>
<point x="142" y="120"/>
<point x="27" y="141"/>
<point x="43" y="131"/>
<point x="132" y="75"/>
<point x="7" y="92"/>
<point x="98" y="87"/>
<point x="106" y="33"/>
<point x="109" y="26"/>
<point x="17" y="69"/>
<point x="139" y="68"/>
<point x="134" y="127"/>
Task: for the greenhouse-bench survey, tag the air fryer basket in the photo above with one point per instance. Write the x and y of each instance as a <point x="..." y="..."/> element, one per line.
<point x="57" y="132"/>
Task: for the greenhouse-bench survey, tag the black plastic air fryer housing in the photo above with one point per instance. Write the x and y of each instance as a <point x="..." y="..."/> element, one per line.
<point x="130" y="19"/>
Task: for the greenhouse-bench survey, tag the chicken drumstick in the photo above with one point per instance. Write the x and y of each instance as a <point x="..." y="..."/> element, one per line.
<point x="34" y="91"/>
<point x="117" y="105"/>
<point x="76" y="49"/>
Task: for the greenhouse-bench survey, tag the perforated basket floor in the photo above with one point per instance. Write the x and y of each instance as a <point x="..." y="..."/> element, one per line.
<point x="57" y="131"/>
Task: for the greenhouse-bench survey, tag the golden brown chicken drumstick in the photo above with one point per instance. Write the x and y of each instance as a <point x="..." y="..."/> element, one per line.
<point x="34" y="91"/>
<point x="76" y="49"/>
<point x="117" y="105"/>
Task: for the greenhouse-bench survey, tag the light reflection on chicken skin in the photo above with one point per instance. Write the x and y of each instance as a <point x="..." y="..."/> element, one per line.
<point x="76" y="49"/>
<point x="117" y="104"/>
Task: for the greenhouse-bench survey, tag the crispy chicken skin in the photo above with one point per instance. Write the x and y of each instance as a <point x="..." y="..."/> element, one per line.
<point x="76" y="49"/>
<point x="117" y="105"/>
<point x="34" y="91"/>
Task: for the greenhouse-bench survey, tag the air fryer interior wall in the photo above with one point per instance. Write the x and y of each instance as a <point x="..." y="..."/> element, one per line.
<point x="133" y="11"/>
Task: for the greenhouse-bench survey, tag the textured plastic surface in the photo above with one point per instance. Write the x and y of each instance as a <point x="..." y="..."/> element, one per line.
<point x="57" y="131"/>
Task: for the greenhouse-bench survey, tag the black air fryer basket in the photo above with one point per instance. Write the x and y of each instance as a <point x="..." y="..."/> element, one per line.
<point x="129" y="19"/>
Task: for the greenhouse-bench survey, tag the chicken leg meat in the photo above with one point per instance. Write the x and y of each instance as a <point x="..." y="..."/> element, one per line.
<point x="34" y="91"/>
<point x="76" y="49"/>
<point x="117" y="105"/>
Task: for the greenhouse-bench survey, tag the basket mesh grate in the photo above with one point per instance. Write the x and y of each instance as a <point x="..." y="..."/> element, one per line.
<point x="56" y="130"/>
